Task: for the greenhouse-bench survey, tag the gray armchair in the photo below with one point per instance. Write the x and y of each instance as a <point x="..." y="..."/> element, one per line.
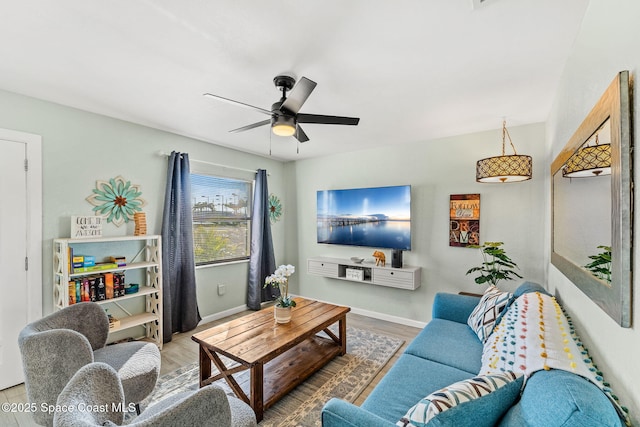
<point x="97" y="386"/>
<point x="55" y="347"/>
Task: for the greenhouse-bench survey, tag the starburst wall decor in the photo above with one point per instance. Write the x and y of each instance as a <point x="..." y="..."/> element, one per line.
<point x="116" y="200"/>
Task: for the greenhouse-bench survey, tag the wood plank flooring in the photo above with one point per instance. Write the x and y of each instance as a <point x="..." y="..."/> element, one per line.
<point x="182" y="351"/>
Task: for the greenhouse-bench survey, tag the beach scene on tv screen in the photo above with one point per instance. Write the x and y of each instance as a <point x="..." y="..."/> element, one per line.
<point x="377" y="217"/>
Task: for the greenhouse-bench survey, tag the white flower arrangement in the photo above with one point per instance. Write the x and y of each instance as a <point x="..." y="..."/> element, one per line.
<point x="280" y="278"/>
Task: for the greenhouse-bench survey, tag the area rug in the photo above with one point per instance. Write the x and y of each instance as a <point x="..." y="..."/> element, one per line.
<point x="344" y="377"/>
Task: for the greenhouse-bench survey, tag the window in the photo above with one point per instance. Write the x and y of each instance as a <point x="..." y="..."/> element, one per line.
<point x="221" y="218"/>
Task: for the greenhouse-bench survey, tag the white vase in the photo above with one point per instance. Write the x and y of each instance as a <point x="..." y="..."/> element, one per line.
<point x="282" y="314"/>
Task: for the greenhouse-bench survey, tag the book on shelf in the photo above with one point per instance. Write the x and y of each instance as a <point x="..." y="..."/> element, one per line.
<point x="120" y="260"/>
<point x="96" y="287"/>
<point x="101" y="292"/>
<point x="77" y="261"/>
<point x="118" y="284"/>
<point x="70" y="259"/>
<point x="108" y="284"/>
<point x="99" y="266"/>
<point x="72" y="292"/>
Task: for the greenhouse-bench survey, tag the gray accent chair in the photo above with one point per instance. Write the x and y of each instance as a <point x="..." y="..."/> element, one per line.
<point x="98" y="387"/>
<point x="55" y="347"/>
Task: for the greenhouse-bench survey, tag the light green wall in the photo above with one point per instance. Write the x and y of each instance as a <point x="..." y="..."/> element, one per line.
<point x="513" y="213"/>
<point x="607" y="44"/>
<point x="79" y="148"/>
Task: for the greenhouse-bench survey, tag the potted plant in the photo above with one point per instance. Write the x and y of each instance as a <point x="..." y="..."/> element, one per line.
<point x="280" y="278"/>
<point x="601" y="264"/>
<point x="496" y="265"/>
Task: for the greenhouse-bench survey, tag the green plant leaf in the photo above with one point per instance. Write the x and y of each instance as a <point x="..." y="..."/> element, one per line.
<point x="496" y="265"/>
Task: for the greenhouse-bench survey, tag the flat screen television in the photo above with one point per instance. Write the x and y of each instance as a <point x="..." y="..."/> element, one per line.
<point x="378" y="217"/>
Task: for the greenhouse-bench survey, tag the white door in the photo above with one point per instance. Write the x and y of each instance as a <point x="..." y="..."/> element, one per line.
<point x="20" y="238"/>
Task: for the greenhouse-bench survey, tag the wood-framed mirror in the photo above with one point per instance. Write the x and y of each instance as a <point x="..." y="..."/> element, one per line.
<point x="591" y="206"/>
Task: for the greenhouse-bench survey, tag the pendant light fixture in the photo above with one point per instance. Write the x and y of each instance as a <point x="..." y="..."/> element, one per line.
<point x="589" y="161"/>
<point x="504" y="168"/>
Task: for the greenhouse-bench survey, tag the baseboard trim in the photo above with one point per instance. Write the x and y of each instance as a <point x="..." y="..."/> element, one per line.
<point x="389" y="318"/>
<point x="222" y="314"/>
<point x="381" y="316"/>
<point x="355" y="310"/>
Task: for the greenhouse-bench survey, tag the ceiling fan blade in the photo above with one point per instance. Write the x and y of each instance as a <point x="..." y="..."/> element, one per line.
<point x="327" y="120"/>
<point x="300" y="135"/>
<point x="242" y="104"/>
<point x="298" y="95"/>
<point x="251" y="126"/>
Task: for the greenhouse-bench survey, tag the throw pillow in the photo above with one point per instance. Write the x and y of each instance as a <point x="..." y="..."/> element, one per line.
<point x="476" y="402"/>
<point x="483" y="318"/>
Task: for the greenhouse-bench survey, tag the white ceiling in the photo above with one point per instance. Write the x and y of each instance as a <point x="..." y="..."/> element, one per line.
<point x="412" y="70"/>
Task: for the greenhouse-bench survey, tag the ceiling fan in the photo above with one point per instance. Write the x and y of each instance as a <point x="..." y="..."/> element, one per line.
<point x="285" y="117"/>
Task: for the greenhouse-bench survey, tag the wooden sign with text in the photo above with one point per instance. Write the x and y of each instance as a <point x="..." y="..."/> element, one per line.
<point x="85" y="227"/>
<point x="464" y="219"/>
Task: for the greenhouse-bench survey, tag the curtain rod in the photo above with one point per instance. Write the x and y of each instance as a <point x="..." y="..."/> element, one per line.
<point x="162" y="153"/>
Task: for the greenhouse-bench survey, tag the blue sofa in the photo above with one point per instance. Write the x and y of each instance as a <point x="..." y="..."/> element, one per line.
<point x="447" y="350"/>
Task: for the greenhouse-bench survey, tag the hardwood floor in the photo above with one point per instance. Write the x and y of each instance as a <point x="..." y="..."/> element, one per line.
<point x="182" y="350"/>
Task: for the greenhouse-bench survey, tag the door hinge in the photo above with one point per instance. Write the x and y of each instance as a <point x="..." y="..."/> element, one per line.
<point x="26" y="263"/>
<point x="26" y="165"/>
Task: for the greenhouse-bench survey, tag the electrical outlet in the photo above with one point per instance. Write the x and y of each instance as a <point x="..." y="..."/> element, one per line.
<point x="222" y="289"/>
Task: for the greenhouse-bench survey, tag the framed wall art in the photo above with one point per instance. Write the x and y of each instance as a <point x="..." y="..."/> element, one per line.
<point x="464" y="220"/>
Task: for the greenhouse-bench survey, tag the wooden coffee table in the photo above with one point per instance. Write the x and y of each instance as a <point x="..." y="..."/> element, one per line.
<point x="278" y="356"/>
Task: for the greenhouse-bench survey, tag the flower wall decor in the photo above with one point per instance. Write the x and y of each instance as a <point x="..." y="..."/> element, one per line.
<point x="116" y="200"/>
<point x="275" y="208"/>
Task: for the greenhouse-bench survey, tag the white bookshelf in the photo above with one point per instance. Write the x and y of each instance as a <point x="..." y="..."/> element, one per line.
<point x="144" y="257"/>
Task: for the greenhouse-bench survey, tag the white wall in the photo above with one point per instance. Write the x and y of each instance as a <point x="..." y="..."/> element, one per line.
<point x="79" y="148"/>
<point x="512" y="213"/>
<point x="606" y="44"/>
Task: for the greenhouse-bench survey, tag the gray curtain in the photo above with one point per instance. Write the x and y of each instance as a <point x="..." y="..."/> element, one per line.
<point x="180" y="307"/>
<point x="262" y="262"/>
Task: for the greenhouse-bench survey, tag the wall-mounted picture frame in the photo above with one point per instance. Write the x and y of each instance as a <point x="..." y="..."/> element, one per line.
<point x="464" y="220"/>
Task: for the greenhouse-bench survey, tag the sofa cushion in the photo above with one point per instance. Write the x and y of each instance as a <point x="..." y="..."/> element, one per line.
<point x="453" y="307"/>
<point x="483" y="318"/>
<point x="528" y="287"/>
<point x="449" y="343"/>
<point x="486" y="397"/>
<point x="410" y="379"/>
<point x="559" y="398"/>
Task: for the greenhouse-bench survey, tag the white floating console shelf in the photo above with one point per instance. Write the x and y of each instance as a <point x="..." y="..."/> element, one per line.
<point x="343" y="269"/>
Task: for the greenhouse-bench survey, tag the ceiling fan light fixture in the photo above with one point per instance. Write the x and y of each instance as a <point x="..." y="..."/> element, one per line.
<point x="284" y="115"/>
<point x="283" y="125"/>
